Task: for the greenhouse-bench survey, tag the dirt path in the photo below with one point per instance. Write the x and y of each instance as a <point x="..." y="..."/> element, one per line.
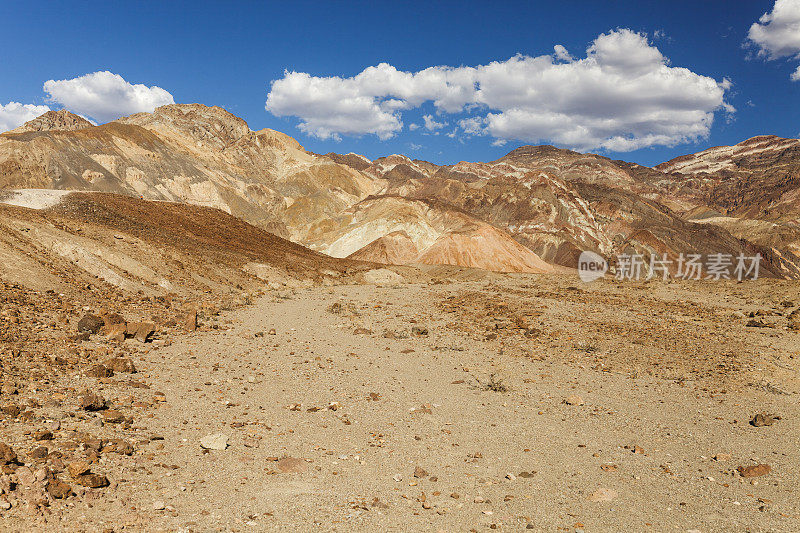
<point x="500" y="460"/>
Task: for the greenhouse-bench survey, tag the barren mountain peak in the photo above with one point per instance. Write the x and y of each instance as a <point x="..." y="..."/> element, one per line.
<point x="61" y="120"/>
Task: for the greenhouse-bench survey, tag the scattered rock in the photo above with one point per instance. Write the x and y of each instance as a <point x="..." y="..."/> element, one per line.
<point x="754" y="470"/>
<point x="78" y="468"/>
<point x="58" y="489"/>
<point x="115" y="332"/>
<point x="92" y="402"/>
<point x="141" y="331"/>
<point x="112" y="416"/>
<point x="121" y="364"/>
<point x="189" y="321"/>
<point x="93" y="481"/>
<point x="602" y="495"/>
<point x="420" y="472"/>
<point x="794" y="320"/>
<point x="43" y="434"/>
<point x="11" y="409"/>
<point x="419" y="331"/>
<point x="574" y="400"/>
<point x="119" y="446"/>
<point x="90" y="324"/>
<point x="38" y="453"/>
<point x="292" y="465"/>
<point x="158" y="505"/>
<point x="99" y="371"/>
<point x="722" y="457"/>
<point x="763" y="419"/>
<point x="7" y="455"/>
<point x="214" y="441"/>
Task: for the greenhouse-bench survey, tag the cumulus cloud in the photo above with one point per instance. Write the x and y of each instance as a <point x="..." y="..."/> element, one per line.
<point x="105" y="96"/>
<point x="431" y="124"/>
<point x="777" y="33"/>
<point x="14" y="114"/>
<point x="622" y="96"/>
<point x="561" y="53"/>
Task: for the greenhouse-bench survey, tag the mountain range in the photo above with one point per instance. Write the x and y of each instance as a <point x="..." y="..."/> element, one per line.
<point x="533" y="210"/>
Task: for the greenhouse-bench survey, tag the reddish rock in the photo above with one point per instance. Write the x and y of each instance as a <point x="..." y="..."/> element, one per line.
<point x="58" y="489"/>
<point x="93" y="481"/>
<point x="99" y="371"/>
<point x="121" y="364"/>
<point x="119" y="446"/>
<point x="78" y="468"/>
<point x="90" y="323"/>
<point x="141" y="331"/>
<point x="112" y="416"/>
<point x="11" y="410"/>
<point x="189" y="321"/>
<point x="754" y="470"/>
<point x="43" y="435"/>
<point x="116" y="332"/>
<point x="113" y="319"/>
<point x="292" y="465"/>
<point x="7" y="454"/>
<point x="92" y="402"/>
<point x="39" y="453"/>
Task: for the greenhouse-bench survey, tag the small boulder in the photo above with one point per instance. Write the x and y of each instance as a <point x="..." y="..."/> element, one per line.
<point x="292" y="465"/>
<point x="58" y="489"/>
<point x="214" y="441"/>
<point x="121" y="364"/>
<point x="574" y="399"/>
<point x="90" y="323"/>
<point x="189" y="321"/>
<point x="754" y="470"/>
<point x="92" y="402"/>
<point x="141" y="331"/>
<point x="78" y="468"/>
<point x="99" y="371"/>
<point x="7" y="455"/>
<point x="115" y="332"/>
<point x="763" y="419"/>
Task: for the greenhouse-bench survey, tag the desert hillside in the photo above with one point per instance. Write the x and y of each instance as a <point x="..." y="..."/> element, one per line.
<point x="553" y="203"/>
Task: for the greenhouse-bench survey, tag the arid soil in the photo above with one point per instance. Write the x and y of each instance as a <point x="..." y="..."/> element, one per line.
<point x="469" y="401"/>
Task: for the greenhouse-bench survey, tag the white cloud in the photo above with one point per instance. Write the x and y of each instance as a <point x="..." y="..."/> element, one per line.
<point x="14" y="114"/>
<point x="413" y="127"/>
<point x="105" y="96"/>
<point x="777" y="33"/>
<point x="473" y="125"/>
<point x="431" y="124"/>
<point x="561" y="53"/>
<point x="623" y="95"/>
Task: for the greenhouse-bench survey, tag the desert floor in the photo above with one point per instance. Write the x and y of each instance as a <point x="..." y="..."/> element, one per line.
<point x="507" y="403"/>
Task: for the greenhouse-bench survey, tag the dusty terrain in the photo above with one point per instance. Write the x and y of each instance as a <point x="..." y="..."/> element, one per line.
<point x="471" y="401"/>
<point x="238" y="334"/>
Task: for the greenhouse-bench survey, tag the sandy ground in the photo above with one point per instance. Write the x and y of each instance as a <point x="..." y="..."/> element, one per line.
<point x="643" y="443"/>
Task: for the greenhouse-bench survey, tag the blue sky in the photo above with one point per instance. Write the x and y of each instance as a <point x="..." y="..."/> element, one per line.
<point x="228" y="53"/>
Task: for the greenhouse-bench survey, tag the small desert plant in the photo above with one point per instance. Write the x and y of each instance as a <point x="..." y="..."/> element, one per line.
<point x="586" y="347"/>
<point x="494" y="384"/>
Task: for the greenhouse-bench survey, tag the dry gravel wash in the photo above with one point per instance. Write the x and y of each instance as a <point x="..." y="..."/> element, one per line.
<point x="399" y="410"/>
